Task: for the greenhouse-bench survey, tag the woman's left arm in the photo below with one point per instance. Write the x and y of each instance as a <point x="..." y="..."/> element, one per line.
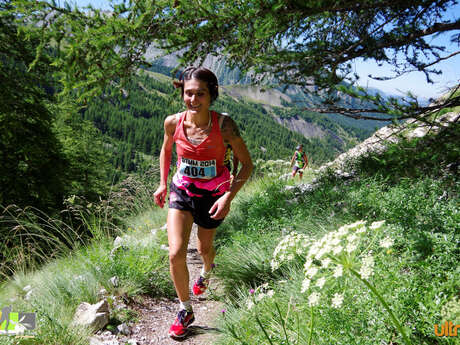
<point x="231" y="135"/>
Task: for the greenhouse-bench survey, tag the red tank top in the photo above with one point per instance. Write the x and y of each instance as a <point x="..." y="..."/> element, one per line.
<point x="204" y="161"/>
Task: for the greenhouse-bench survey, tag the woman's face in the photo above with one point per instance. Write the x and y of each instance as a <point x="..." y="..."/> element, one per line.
<point x="196" y="96"/>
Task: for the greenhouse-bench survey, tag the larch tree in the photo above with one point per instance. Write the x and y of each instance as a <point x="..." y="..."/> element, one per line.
<point x="309" y="43"/>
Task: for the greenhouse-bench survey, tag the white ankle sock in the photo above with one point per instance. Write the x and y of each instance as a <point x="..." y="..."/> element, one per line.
<point x="187" y="305"/>
<point x="205" y="274"/>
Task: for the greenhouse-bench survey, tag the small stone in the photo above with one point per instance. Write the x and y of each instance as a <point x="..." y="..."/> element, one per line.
<point x="114" y="281"/>
<point x="28" y="295"/>
<point x="95" y="341"/>
<point x="94" y="316"/>
<point x="102" y="292"/>
<point x="124" y="329"/>
<point x="117" y="242"/>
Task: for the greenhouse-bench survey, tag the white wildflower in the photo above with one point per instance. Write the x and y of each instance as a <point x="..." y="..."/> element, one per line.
<point x="357" y="225"/>
<point x="250" y="304"/>
<point x="338" y="272"/>
<point x="321" y="252"/>
<point x="305" y="285"/>
<point x="365" y="272"/>
<point x="313" y="250"/>
<point x="337" y="300"/>
<point x="275" y="265"/>
<point x="307" y="264"/>
<point x="313" y="299"/>
<point x="352" y="238"/>
<point x="337" y="250"/>
<point x="290" y="257"/>
<point x="387" y="242"/>
<point x="259" y="296"/>
<point x="343" y="230"/>
<point x="335" y="242"/>
<point x="377" y="225"/>
<point x="361" y="230"/>
<point x="270" y="293"/>
<point x="311" y="272"/>
<point x="351" y="247"/>
<point x="325" y="263"/>
<point x="320" y="282"/>
<point x="367" y="267"/>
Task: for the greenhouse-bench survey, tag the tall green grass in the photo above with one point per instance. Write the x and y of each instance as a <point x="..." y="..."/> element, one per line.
<point x="416" y="278"/>
<point x="59" y="265"/>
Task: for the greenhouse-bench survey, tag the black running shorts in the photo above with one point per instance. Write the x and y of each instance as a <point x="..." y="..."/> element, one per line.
<point x="198" y="206"/>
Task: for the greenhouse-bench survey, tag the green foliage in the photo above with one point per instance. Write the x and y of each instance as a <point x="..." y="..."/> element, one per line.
<point x="46" y="153"/>
<point x="431" y="154"/>
<point x="314" y="44"/>
<point x="133" y="126"/>
<point x="417" y="276"/>
<point x="60" y="286"/>
<point x="30" y="173"/>
<point x="88" y="173"/>
<point x="142" y="269"/>
<point x="309" y="44"/>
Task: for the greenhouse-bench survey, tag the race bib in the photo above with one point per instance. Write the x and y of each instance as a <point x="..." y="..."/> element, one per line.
<point x="198" y="169"/>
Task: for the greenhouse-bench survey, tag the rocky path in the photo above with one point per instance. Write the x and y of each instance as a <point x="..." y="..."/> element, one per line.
<point x="156" y="315"/>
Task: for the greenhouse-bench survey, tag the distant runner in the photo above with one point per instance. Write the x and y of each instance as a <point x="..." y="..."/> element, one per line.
<point x="301" y="161"/>
<point x="231" y="164"/>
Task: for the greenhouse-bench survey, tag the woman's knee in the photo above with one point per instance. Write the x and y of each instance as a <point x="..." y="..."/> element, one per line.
<point x="177" y="257"/>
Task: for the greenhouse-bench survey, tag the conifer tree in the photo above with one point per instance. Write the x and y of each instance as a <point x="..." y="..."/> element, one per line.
<point x="30" y="154"/>
<point x="309" y="43"/>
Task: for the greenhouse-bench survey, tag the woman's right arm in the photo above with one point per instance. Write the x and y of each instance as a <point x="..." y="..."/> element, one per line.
<point x="165" y="160"/>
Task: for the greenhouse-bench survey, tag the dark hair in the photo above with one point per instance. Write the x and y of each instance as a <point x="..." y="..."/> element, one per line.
<point x="199" y="73"/>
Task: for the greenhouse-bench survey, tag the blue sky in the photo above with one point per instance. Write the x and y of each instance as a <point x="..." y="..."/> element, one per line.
<point x="414" y="82"/>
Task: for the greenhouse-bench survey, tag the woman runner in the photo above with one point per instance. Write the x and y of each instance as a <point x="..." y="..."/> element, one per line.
<point x="200" y="191"/>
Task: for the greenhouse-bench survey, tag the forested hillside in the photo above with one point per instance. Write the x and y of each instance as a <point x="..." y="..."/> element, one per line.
<point x="292" y="96"/>
<point x="133" y="124"/>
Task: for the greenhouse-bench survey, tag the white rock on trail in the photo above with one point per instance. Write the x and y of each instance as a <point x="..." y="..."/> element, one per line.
<point x="124" y="329"/>
<point x="114" y="281"/>
<point x="95" y="316"/>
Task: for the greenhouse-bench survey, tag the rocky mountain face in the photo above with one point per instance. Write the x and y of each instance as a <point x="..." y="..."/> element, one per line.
<point x="343" y="165"/>
<point x="234" y="85"/>
<point x="299" y="125"/>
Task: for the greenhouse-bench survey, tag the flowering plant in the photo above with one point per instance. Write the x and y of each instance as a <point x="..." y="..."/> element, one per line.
<point x="344" y="252"/>
<point x="291" y="246"/>
<point x="258" y="294"/>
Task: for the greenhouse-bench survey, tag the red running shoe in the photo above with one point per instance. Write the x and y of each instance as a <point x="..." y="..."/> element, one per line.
<point x="200" y="286"/>
<point x="179" y="327"/>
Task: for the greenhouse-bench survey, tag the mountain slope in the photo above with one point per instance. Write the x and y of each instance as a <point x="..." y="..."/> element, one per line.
<point x="276" y="95"/>
<point x="134" y="124"/>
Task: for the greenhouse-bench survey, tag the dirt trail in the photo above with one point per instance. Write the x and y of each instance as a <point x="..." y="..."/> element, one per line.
<point x="156" y="315"/>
